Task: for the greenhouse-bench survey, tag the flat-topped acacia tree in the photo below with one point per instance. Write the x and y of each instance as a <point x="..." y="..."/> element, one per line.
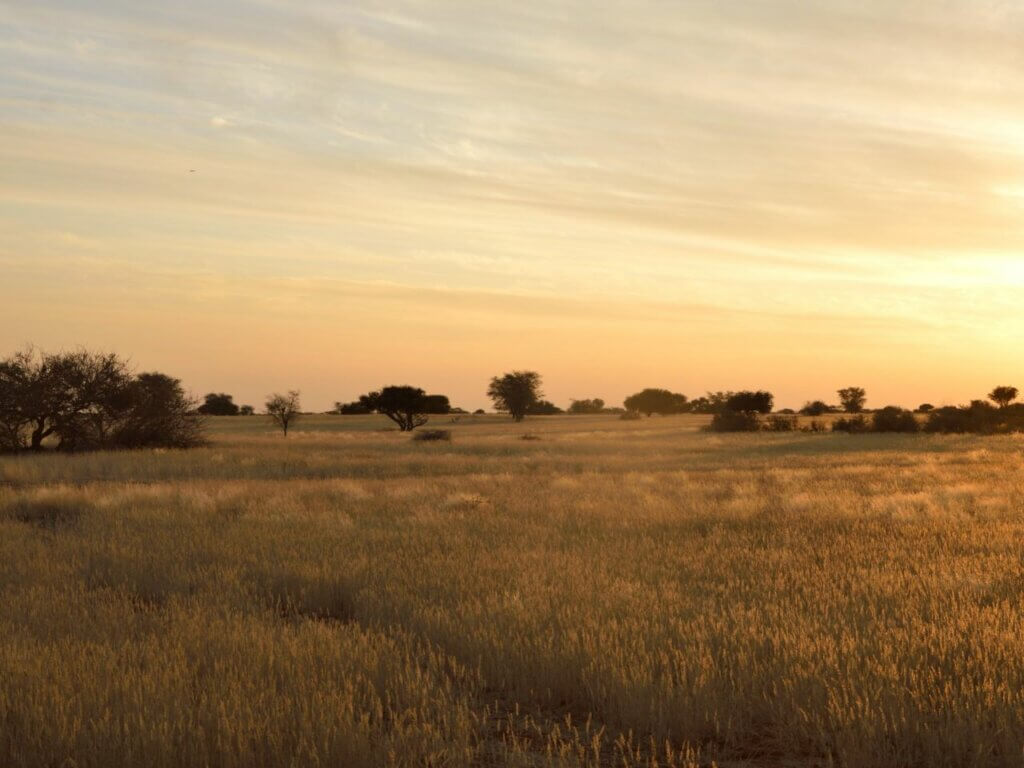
<point x="1003" y="396"/>
<point x="406" y="406"/>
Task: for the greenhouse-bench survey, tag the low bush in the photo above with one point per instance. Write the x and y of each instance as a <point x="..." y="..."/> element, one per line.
<point x="734" y="421"/>
<point x="977" y="418"/>
<point x="894" y="419"/>
<point x="816" y="408"/>
<point x="428" y="435"/>
<point x="778" y="422"/>
<point x="852" y="424"/>
<point x="630" y="415"/>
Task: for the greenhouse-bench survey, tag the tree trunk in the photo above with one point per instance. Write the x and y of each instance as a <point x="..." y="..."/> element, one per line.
<point x="39" y="434"/>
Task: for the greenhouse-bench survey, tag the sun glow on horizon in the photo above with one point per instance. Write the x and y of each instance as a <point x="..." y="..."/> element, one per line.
<point x="256" y="196"/>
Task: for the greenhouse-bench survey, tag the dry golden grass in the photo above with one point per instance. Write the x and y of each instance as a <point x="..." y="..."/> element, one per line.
<point x="612" y="593"/>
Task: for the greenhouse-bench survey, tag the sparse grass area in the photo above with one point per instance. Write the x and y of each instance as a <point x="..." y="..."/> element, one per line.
<point x="613" y="593"/>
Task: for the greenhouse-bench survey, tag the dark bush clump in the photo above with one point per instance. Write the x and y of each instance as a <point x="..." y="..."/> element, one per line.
<point x="852" y="424"/>
<point x="816" y="408"/>
<point x="750" y="402"/>
<point x="977" y="418"/>
<point x="434" y="434"/>
<point x="894" y="419"/>
<point x="778" y="422"/>
<point x="83" y="401"/>
<point x="735" y="421"/>
<point x="629" y="415"/>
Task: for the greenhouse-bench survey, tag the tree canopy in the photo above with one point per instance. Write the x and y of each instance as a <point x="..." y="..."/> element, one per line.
<point x="515" y="393"/>
<point x="750" y="402"/>
<point x="852" y="399"/>
<point x="218" y="404"/>
<point x="85" y="401"/>
<point x="1003" y="396"/>
<point x="660" y="401"/>
<point x="406" y="406"/>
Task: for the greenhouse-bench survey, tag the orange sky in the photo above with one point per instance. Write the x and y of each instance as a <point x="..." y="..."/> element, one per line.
<point x="701" y="195"/>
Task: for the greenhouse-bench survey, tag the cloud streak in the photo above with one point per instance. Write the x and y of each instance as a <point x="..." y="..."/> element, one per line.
<point x="772" y="161"/>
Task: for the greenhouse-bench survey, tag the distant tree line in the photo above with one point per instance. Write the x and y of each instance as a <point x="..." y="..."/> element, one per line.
<point x="77" y="401"/>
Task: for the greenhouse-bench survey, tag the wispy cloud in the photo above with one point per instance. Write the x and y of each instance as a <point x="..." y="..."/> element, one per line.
<point x="775" y="159"/>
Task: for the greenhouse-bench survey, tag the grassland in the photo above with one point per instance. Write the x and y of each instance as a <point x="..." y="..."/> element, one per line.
<point x="612" y="593"/>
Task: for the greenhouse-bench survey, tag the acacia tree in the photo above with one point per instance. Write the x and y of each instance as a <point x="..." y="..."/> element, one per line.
<point x="852" y="399"/>
<point x="284" y="409"/>
<point x="406" y="406"/>
<point x="660" y="401"/>
<point x="1003" y="396"/>
<point x="88" y="401"/>
<point x="515" y="393"/>
<point x="158" y="413"/>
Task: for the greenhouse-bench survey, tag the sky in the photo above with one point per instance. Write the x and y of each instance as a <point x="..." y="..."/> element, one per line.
<point x="334" y="196"/>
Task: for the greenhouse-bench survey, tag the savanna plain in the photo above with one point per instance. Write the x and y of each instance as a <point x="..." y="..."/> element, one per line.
<point x="603" y="593"/>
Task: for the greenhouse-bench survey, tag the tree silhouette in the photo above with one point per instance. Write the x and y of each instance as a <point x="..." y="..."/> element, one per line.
<point x="660" y="401"/>
<point x="852" y="399"/>
<point x="406" y="406"/>
<point x="815" y="408"/>
<point x="1003" y="396"/>
<point x="218" y="404"/>
<point x="750" y="402"/>
<point x="284" y="409"/>
<point x="587" y="406"/>
<point x="515" y="393"/>
<point x="89" y="401"/>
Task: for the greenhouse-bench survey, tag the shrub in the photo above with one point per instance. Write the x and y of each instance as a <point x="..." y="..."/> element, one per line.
<point x="354" y="408"/>
<point x="925" y="408"/>
<point x="219" y="404"/>
<point x="815" y="408"/>
<point x="852" y="424"/>
<point x="978" y="418"/>
<point x="894" y="419"/>
<point x="814" y="426"/>
<point x="778" y="422"/>
<point x="630" y="415"/>
<point x="430" y="435"/>
<point x="596" y="405"/>
<point x="544" y="408"/>
<point x="734" y="421"/>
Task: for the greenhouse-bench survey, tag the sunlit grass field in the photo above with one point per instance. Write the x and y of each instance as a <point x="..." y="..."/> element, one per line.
<point x="609" y="593"/>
